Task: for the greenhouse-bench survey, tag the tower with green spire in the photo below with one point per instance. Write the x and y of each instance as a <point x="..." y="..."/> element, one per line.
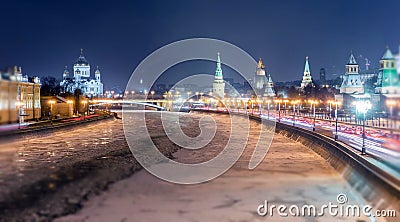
<point x="388" y="78"/>
<point x="352" y="83"/>
<point x="218" y="84"/>
<point x="269" y="87"/>
<point x="307" y="79"/>
<point x="398" y="61"/>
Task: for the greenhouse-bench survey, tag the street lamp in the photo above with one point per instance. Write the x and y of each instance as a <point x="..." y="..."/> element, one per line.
<point x="279" y="101"/>
<point x="70" y="102"/>
<point x="363" y="107"/>
<point x="268" y="102"/>
<point x="391" y="103"/>
<point x="330" y="108"/>
<point x="84" y="107"/>
<point x="336" y="118"/>
<point x="336" y="103"/>
<point x="51" y="111"/>
<point x="259" y="105"/>
<point x="19" y="104"/>
<point x="285" y="101"/>
<point x="313" y="104"/>
<point x="294" y="102"/>
<point x="252" y="106"/>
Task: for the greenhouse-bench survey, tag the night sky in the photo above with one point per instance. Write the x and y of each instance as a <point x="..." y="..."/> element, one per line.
<point x="44" y="36"/>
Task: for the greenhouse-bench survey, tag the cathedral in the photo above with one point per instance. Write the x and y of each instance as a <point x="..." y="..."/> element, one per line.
<point x="80" y="79"/>
<point x="263" y="83"/>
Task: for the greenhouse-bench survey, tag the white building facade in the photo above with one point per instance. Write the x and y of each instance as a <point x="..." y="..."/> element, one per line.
<point x="352" y="83"/>
<point x="81" y="79"/>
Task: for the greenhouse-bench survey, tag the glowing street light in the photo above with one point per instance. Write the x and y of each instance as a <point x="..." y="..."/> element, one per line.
<point x="19" y="105"/>
<point x="51" y="102"/>
<point x="268" y="102"/>
<point x="330" y="108"/>
<point x="279" y="101"/>
<point x="252" y="106"/>
<point x="363" y="107"/>
<point x="70" y="102"/>
<point x="285" y="101"/>
<point x="294" y="103"/>
<point x="84" y="107"/>
<point x="336" y="103"/>
<point x="313" y="104"/>
<point x="391" y="103"/>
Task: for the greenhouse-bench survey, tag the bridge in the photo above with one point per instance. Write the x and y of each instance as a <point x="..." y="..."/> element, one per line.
<point x="158" y="104"/>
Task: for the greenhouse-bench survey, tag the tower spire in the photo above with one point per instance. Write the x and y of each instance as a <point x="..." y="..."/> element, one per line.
<point x="388" y="54"/>
<point x="352" y="59"/>
<point x="260" y="64"/>
<point x="306" y="75"/>
<point x="307" y="66"/>
<point x="218" y="71"/>
<point x="218" y="84"/>
<point x="81" y="51"/>
<point x="388" y="79"/>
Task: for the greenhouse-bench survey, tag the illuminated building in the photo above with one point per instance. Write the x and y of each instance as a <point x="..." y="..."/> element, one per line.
<point x="398" y="61"/>
<point x="352" y="83"/>
<point x="81" y="79"/>
<point x="307" y="79"/>
<point x="218" y="84"/>
<point x="19" y="96"/>
<point x="263" y="83"/>
<point x="388" y="78"/>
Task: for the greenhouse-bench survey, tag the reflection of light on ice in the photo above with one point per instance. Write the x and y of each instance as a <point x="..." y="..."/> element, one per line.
<point x="143" y="197"/>
<point x="49" y="150"/>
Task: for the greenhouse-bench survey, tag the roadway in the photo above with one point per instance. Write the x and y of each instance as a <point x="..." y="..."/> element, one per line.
<point x="379" y="142"/>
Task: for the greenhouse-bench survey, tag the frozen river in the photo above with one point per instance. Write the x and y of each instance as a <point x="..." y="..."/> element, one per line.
<point x="291" y="174"/>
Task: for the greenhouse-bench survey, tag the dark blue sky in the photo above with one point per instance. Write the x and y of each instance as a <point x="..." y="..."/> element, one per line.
<point x="44" y="36"/>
